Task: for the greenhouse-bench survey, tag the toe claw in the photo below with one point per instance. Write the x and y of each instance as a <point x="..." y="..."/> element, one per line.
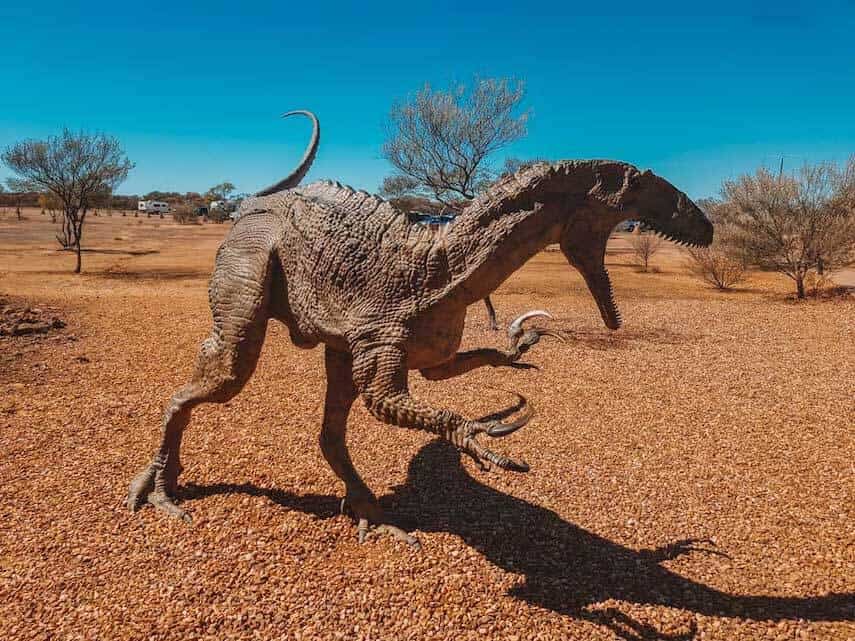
<point x="362" y="530"/>
<point x="506" y="463"/>
<point x="142" y="490"/>
<point x="165" y="503"/>
<point x="365" y="532"/>
<point x="494" y="427"/>
<point x="484" y="457"/>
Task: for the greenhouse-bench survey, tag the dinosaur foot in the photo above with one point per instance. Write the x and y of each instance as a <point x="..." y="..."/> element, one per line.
<point x="494" y="427"/>
<point x="366" y="531"/>
<point x="146" y="488"/>
<point x="521" y="340"/>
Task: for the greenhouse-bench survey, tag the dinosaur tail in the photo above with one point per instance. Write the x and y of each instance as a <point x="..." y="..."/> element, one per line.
<point x="293" y="179"/>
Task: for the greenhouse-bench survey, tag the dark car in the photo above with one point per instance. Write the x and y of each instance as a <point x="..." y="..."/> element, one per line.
<point x="434" y="220"/>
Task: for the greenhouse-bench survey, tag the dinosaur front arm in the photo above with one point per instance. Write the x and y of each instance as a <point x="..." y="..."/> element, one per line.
<point x="464" y="362"/>
<point x="380" y="374"/>
<point x="521" y="340"/>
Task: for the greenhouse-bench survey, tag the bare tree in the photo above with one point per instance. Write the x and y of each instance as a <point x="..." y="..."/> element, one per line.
<point x="644" y="245"/>
<point x="15" y="196"/>
<point x="440" y="142"/>
<point x="798" y="224"/>
<point x="75" y="167"/>
<point x="443" y="140"/>
<point x="513" y="164"/>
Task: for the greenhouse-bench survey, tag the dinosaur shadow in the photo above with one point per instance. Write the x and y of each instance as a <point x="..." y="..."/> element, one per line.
<point x="565" y="568"/>
<point x="153" y="275"/>
<point x="117" y="252"/>
<point x="322" y="506"/>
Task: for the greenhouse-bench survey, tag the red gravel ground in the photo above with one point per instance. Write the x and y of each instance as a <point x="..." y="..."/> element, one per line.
<point x="692" y="474"/>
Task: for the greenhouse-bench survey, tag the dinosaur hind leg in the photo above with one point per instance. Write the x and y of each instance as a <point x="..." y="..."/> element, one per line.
<point x="359" y="498"/>
<point x="225" y="363"/>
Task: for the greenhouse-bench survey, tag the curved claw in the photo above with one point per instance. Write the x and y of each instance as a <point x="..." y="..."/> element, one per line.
<point x="498" y="429"/>
<point x="515" y="329"/>
<point x="500" y="461"/>
<point x="546" y="332"/>
<point x="503" y="429"/>
<point x="521" y="404"/>
<point x="484" y="457"/>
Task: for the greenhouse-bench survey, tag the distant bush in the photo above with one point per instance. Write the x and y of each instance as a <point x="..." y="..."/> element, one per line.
<point x="716" y="265"/>
<point x="184" y="215"/>
<point x="724" y="263"/>
<point x="644" y="246"/>
<point x="219" y="215"/>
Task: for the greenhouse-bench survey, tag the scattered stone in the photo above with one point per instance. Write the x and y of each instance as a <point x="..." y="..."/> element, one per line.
<point x="16" y="320"/>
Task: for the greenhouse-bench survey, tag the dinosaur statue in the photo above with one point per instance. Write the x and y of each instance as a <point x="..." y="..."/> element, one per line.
<point x="346" y="269"/>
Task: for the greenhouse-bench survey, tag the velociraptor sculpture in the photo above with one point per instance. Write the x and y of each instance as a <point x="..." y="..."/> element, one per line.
<point x="385" y="296"/>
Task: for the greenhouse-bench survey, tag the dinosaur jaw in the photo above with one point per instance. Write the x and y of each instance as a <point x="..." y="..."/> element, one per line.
<point x="584" y="247"/>
<point x="694" y="234"/>
<point x="600" y="286"/>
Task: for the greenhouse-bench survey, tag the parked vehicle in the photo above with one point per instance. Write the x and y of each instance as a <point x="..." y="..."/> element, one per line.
<point x="223" y="205"/>
<point x="432" y="220"/>
<point x="201" y="211"/>
<point x="153" y="207"/>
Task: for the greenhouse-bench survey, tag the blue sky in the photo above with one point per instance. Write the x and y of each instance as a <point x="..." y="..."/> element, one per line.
<point x="194" y="90"/>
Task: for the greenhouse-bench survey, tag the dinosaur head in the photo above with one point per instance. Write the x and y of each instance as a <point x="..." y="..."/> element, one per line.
<point x="667" y="210"/>
<point x="621" y="192"/>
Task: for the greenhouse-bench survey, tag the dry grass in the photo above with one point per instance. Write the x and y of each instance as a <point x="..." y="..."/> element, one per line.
<point x="710" y="416"/>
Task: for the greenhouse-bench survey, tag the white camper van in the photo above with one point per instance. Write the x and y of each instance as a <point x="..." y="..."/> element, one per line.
<point x="153" y="207"/>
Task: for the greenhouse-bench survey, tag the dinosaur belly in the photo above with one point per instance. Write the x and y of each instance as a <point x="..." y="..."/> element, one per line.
<point x="434" y="338"/>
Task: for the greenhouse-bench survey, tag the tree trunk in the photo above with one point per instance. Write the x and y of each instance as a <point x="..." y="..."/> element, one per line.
<point x="66" y="240"/>
<point x="78" y="239"/>
<point x="78" y="267"/>
<point x="800" y="286"/>
<point x="491" y="312"/>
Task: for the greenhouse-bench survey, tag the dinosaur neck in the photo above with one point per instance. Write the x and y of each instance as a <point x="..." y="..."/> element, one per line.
<point x="485" y="247"/>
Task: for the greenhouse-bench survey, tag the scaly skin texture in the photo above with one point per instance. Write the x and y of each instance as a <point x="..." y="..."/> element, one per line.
<point x="384" y="296"/>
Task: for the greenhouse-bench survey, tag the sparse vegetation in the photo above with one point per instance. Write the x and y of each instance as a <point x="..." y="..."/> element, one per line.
<point x="185" y="215"/>
<point x="724" y="263"/>
<point x="795" y="225"/>
<point x="513" y="165"/>
<point x="440" y="142"/>
<point x="221" y="191"/>
<point x="644" y="245"/>
<point x="716" y="265"/>
<point x="76" y="167"/>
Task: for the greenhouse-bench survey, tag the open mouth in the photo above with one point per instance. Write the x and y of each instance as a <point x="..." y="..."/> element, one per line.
<point x="681" y="237"/>
<point x="600" y="283"/>
<point x="601" y="286"/>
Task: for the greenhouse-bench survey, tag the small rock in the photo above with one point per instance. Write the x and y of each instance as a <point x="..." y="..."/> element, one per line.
<point x="22" y="329"/>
